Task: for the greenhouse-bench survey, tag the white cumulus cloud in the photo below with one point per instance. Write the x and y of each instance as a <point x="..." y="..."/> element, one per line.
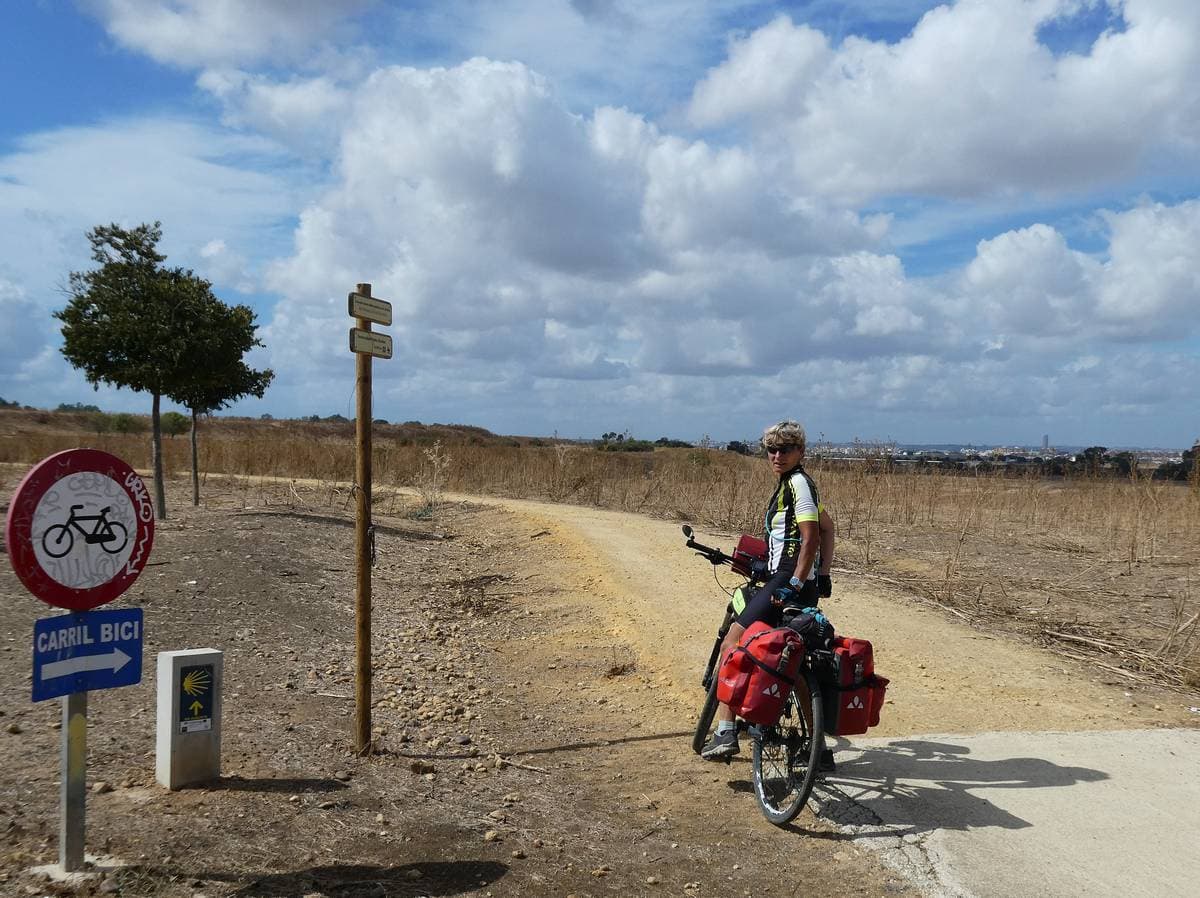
<point x="970" y="103"/>
<point x="200" y="33"/>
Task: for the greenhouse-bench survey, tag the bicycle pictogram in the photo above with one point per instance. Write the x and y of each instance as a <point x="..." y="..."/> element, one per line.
<point x="111" y="536"/>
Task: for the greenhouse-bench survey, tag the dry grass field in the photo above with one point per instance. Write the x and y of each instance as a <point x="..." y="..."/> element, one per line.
<point x="1102" y="570"/>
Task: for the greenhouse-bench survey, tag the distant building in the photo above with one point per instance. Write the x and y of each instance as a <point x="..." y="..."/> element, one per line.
<point x="1045" y="441"/>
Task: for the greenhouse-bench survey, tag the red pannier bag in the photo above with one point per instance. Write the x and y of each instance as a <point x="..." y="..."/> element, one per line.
<point x="851" y="692"/>
<point x="755" y="677"/>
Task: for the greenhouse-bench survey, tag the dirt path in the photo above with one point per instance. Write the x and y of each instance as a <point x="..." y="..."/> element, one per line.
<point x="946" y="677"/>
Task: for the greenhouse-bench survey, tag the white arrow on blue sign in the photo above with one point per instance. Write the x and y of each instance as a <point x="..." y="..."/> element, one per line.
<point x="85" y="652"/>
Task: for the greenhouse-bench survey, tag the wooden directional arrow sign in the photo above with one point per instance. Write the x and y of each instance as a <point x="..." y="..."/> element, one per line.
<point x="370" y="308"/>
<point x="371" y="343"/>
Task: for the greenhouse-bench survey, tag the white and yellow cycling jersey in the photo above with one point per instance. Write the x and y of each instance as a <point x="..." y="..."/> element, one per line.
<point x="794" y="501"/>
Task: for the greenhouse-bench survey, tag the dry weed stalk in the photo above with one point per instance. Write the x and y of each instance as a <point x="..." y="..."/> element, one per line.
<point x="968" y="515"/>
<point x="1181" y="647"/>
<point x="560" y="481"/>
<point x="431" y="476"/>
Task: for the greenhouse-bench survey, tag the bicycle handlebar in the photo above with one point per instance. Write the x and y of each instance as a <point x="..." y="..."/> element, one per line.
<point x="715" y="556"/>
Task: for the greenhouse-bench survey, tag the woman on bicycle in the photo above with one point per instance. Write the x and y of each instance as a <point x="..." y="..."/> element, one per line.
<point x="793" y="530"/>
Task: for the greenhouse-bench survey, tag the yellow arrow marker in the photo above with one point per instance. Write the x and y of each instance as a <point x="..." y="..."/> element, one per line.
<point x="195" y="708"/>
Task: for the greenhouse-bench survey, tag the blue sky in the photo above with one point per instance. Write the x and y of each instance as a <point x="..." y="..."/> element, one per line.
<point x="965" y="222"/>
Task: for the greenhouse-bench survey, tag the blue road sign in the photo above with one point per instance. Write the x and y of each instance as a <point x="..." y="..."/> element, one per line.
<point x="85" y="652"/>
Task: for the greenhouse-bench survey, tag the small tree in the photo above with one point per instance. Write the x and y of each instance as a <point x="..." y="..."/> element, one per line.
<point x="101" y="422"/>
<point x="123" y="422"/>
<point x="1092" y="459"/>
<point x="219" y="376"/>
<point x="173" y="424"/>
<point x="126" y="323"/>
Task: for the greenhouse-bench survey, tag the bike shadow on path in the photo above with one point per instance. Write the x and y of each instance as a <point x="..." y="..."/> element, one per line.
<point x="917" y="786"/>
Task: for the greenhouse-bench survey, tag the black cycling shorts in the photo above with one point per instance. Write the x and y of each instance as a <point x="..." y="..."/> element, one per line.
<point x="761" y="607"/>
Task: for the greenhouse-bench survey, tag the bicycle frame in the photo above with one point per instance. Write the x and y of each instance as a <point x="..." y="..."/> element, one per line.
<point x="710" y="668"/>
<point x="102" y="532"/>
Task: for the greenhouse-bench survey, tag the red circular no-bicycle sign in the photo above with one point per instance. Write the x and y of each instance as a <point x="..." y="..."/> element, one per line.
<point x="80" y="528"/>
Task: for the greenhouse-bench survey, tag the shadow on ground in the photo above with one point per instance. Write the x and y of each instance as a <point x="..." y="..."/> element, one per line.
<point x="916" y="786"/>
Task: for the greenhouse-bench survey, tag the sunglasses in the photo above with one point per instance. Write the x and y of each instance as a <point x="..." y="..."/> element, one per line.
<point x="780" y="450"/>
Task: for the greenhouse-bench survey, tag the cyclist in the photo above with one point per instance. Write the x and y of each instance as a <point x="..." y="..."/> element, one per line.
<point x="793" y="531"/>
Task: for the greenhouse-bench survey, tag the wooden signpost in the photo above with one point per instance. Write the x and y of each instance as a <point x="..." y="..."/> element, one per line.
<point x="366" y="345"/>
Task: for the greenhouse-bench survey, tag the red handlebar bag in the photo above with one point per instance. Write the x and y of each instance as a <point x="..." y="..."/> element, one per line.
<point x="749" y="550"/>
<point x="755" y="677"/>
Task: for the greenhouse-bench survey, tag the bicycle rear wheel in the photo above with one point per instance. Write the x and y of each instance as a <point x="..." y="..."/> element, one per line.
<point x="786" y="755"/>
<point x="58" y="540"/>
<point x="707" y="713"/>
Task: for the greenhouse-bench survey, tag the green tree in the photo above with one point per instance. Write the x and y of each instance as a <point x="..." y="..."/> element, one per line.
<point x="1187" y="469"/>
<point x="101" y="422"/>
<point x="1125" y="463"/>
<point x="123" y="422"/>
<point x="76" y="407"/>
<point x="1092" y="459"/>
<point x="174" y="423"/>
<point x="218" y="375"/>
<point x="130" y="322"/>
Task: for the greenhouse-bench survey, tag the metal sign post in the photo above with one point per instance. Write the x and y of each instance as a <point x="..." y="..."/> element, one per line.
<point x="72" y="804"/>
<point x="79" y="531"/>
<point x="365" y="344"/>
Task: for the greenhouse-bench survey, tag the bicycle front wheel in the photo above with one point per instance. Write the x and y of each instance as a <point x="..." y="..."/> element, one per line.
<point x="58" y="540"/>
<point x="707" y="713"/>
<point x="786" y="756"/>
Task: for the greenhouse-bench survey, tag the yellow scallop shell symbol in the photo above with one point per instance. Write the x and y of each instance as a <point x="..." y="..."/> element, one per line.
<point x="196" y="682"/>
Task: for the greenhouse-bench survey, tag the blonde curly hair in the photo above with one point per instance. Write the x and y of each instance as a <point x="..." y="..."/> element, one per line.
<point x="785" y="433"/>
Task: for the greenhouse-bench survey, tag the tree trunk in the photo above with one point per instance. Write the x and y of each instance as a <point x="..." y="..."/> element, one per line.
<point x="195" y="465"/>
<point x="160" y="491"/>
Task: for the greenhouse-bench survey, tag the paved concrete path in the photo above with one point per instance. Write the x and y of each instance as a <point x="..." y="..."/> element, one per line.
<point x="1028" y="814"/>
